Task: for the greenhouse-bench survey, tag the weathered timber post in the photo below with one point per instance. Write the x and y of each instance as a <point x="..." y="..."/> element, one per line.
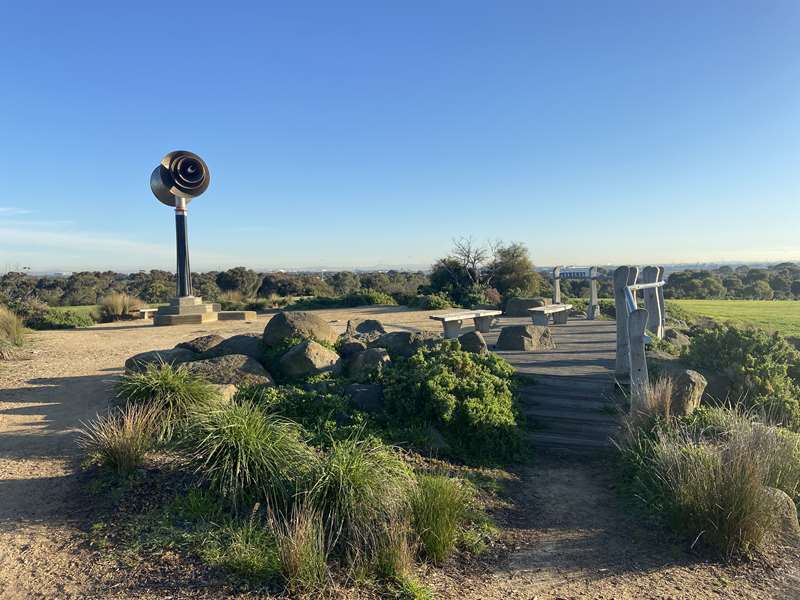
<point x="637" y="323"/>
<point x="651" y="304"/>
<point x="620" y="284"/>
<point x="662" y="306"/>
<point x="593" y="310"/>
<point x="557" y="285"/>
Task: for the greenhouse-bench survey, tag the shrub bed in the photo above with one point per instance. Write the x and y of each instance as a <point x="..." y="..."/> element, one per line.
<point x="60" y="319"/>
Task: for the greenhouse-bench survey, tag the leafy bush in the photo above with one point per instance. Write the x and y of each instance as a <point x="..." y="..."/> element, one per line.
<point x="467" y="396"/>
<point x="360" y="489"/>
<point x="60" y="319"/>
<point x="12" y="331"/>
<point x="245" y="454"/>
<point x="173" y="392"/>
<point x="368" y="297"/>
<point x="435" y="301"/>
<point x="316" y="411"/>
<point x="757" y="364"/>
<point x="439" y="508"/>
<point x="302" y="550"/>
<point x="117" y="306"/>
<point x="120" y="439"/>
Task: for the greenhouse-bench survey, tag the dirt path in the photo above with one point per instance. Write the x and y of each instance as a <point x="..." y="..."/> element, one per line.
<point x="570" y="536"/>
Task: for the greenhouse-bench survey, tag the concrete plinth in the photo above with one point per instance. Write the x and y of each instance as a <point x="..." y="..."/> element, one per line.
<point x="188" y="310"/>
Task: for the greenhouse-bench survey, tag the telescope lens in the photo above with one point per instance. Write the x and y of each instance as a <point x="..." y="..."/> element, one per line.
<point x="189" y="172"/>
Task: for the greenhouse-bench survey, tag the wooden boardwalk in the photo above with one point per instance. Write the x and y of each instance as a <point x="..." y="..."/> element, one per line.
<point x="570" y="401"/>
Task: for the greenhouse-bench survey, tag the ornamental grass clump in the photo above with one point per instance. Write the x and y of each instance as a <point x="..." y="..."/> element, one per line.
<point x="120" y="439"/>
<point x="439" y="508"/>
<point x="118" y="305"/>
<point x="302" y="549"/>
<point x="360" y="488"/>
<point x="12" y="330"/>
<point x="174" y="392"/>
<point x="246" y="455"/>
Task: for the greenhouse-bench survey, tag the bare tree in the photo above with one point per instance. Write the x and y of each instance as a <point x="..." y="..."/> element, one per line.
<point x="472" y="256"/>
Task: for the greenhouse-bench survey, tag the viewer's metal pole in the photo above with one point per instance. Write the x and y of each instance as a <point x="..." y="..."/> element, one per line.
<point x="181" y="237"/>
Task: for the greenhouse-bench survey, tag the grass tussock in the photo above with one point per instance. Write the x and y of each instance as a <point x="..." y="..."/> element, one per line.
<point x="361" y="487"/>
<point x="120" y="439"/>
<point x="247" y="548"/>
<point x="172" y="391"/>
<point x="12" y="330"/>
<point x="302" y="550"/>
<point x="439" y="507"/>
<point x="118" y="306"/>
<point x="707" y="475"/>
<point x="246" y="454"/>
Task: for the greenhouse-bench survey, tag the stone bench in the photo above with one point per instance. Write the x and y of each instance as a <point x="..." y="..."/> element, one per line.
<point x="452" y="322"/>
<point x="541" y="314"/>
<point x="147" y="313"/>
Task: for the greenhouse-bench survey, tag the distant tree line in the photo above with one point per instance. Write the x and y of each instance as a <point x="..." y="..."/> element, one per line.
<point x="776" y="282"/>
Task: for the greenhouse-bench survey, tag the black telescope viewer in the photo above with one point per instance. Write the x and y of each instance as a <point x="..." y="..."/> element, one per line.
<point x="180" y="177"/>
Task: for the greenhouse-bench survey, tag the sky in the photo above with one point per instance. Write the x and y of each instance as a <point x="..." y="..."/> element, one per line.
<point x="362" y="134"/>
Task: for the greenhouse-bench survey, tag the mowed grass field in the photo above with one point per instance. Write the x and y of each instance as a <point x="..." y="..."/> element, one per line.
<point x="782" y="316"/>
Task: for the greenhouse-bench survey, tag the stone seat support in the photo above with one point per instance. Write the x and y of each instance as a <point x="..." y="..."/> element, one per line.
<point x="452" y="322"/>
<point x="541" y="314"/>
<point x="147" y="313"/>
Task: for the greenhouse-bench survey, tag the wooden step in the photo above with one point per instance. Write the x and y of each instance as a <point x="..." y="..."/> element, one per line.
<point x="546" y="439"/>
<point x="547" y="413"/>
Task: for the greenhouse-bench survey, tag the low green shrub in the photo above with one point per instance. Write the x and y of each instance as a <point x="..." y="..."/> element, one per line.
<point x="117" y="306"/>
<point x="60" y="319"/>
<point x="12" y="330"/>
<point x="467" y="396"/>
<point x="439" y="507"/>
<point x="173" y="392"/>
<point x="435" y="301"/>
<point x="361" y="487"/>
<point x="246" y="455"/>
<point x="368" y="297"/>
<point x="120" y="439"/>
<point x="758" y="365"/>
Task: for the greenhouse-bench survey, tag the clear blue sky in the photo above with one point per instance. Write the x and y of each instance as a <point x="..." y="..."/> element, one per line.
<point x="372" y="133"/>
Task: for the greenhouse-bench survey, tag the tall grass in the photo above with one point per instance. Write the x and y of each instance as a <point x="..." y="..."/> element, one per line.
<point x="439" y="507"/>
<point x="12" y="330"/>
<point x="707" y="474"/>
<point x="247" y="548"/>
<point x="302" y="550"/>
<point x="118" y="305"/>
<point x="360" y="489"/>
<point x="246" y="454"/>
<point x="171" y="390"/>
<point x="120" y="439"/>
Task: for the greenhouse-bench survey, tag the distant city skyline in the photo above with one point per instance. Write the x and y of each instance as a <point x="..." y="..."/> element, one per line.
<point x="362" y="134"/>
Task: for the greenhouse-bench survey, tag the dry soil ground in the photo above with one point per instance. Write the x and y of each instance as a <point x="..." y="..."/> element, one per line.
<point x="568" y="533"/>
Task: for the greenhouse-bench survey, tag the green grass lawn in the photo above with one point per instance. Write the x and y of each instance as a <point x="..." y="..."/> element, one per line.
<point x="773" y="315"/>
<point x="85" y="310"/>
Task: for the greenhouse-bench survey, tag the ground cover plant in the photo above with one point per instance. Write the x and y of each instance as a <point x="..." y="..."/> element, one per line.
<point x="708" y="475"/>
<point x="61" y="319"/>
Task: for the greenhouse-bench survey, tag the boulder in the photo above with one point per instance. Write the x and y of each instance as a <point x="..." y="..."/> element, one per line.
<point x="309" y="358"/>
<point x="202" y="344"/>
<point x="366" y="397"/>
<point x="351" y="346"/>
<point x="307" y="326"/>
<point x="366" y="362"/>
<point x="525" y="337"/>
<point x="676" y="338"/>
<point x="785" y="512"/>
<point x="473" y="341"/>
<point x="235" y="369"/>
<point x="138" y="362"/>
<point x="404" y="343"/>
<point x="518" y="307"/>
<point x="248" y="344"/>
<point x="687" y="385"/>
<point x="368" y="328"/>
<point x="226" y="390"/>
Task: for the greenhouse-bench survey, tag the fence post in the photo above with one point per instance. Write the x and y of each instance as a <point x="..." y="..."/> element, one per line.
<point x="651" y="304"/>
<point x="637" y="322"/>
<point x="661" y="305"/>
<point x="557" y="285"/>
<point x="620" y="283"/>
<point x="593" y="310"/>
